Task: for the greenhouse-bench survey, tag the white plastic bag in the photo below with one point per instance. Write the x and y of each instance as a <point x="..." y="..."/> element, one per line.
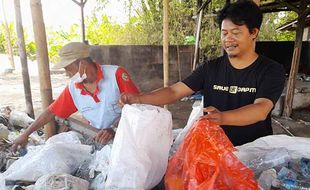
<point x="100" y="161"/>
<point x="50" y="158"/>
<point x="60" y="182"/>
<point x="297" y="147"/>
<point x="195" y="114"/>
<point x="66" y="137"/>
<point x="141" y="146"/>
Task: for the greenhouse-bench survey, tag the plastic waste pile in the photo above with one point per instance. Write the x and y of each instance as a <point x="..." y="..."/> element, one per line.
<point x="135" y="160"/>
<point x="278" y="161"/>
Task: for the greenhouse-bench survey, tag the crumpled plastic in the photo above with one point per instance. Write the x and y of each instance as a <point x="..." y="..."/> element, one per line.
<point x="205" y="161"/>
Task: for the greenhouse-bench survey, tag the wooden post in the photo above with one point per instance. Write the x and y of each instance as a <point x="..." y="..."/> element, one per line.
<point x="8" y="38"/>
<point x="179" y="63"/>
<point x="43" y="61"/>
<point x="288" y="104"/>
<point x="200" y="8"/>
<point x="196" y="54"/>
<point x="23" y="58"/>
<point x="166" y="44"/>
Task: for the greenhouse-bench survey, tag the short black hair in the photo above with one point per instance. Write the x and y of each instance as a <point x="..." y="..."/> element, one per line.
<point x="242" y="12"/>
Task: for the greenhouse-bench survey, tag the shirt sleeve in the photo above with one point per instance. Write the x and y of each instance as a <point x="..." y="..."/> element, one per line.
<point x="272" y="83"/>
<point x="195" y="80"/>
<point x="125" y="82"/>
<point x="63" y="106"/>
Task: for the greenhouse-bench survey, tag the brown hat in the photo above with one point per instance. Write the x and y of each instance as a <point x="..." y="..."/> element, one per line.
<point x="72" y="52"/>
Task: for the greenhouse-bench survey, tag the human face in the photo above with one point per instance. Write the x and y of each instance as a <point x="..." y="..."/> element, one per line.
<point x="72" y="68"/>
<point x="237" y="40"/>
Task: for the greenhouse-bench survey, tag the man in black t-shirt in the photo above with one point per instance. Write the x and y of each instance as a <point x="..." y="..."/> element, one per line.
<point x="240" y="88"/>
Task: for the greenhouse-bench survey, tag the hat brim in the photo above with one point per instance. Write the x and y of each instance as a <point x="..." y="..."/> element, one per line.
<point x="63" y="63"/>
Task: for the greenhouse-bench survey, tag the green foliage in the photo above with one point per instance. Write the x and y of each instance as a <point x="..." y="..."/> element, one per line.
<point x="271" y="22"/>
<point x="56" y="39"/>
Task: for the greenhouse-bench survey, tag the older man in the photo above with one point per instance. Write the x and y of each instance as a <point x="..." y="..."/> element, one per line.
<point x="93" y="91"/>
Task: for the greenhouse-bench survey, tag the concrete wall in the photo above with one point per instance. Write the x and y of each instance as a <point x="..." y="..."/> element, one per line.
<point x="144" y="63"/>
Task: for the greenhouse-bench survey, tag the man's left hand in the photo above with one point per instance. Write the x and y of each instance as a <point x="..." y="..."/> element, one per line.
<point x="104" y="136"/>
<point x="213" y="115"/>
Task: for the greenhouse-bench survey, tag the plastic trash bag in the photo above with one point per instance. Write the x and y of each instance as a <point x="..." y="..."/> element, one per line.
<point x="100" y="161"/>
<point x="66" y="137"/>
<point x="60" y="182"/>
<point x="261" y="159"/>
<point x="205" y="161"/>
<point x="141" y="147"/>
<point x="197" y="112"/>
<point x="50" y="158"/>
<point x="297" y="147"/>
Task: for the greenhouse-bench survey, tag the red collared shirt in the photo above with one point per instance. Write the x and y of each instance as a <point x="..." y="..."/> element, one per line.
<point x="63" y="106"/>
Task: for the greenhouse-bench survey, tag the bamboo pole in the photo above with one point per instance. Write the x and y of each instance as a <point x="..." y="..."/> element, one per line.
<point x="8" y="38"/>
<point x="43" y="61"/>
<point x="166" y="44"/>
<point x="23" y="58"/>
<point x="288" y="104"/>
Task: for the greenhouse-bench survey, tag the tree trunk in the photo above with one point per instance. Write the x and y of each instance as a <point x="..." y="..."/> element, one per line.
<point x="23" y="59"/>
<point x="8" y="39"/>
<point x="43" y="61"/>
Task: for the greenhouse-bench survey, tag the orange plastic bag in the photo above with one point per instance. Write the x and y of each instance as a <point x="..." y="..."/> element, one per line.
<point x="205" y="161"/>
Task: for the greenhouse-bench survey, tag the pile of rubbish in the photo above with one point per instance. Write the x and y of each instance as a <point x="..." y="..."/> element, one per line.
<point x="145" y="150"/>
<point x="135" y="159"/>
<point x="278" y="161"/>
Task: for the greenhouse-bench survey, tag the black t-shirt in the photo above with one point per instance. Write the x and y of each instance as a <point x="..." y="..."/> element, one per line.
<point x="228" y="88"/>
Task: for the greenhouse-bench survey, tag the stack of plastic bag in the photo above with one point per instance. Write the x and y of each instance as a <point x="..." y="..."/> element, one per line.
<point x="205" y="161"/>
<point x="278" y="161"/>
<point x="62" y="153"/>
<point x="141" y="147"/>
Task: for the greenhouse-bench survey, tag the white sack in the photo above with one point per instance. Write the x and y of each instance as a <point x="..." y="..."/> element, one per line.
<point x="60" y="182"/>
<point x="50" y="158"/>
<point x="297" y="147"/>
<point x="66" y="137"/>
<point x="141" y="146"/>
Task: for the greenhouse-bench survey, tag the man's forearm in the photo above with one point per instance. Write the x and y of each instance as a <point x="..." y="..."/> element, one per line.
<point x="43" y="119"/>
<point x="166" y="95"/>
<point x="246" y="115"/>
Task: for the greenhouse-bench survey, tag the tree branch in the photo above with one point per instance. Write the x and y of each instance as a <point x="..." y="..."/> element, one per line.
<point x="78" y="3"/>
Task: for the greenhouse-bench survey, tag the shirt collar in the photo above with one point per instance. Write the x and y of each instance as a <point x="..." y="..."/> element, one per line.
<point x="99" y="77"/>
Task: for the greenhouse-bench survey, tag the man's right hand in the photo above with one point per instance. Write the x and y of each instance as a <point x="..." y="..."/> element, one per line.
<point x="22" y="140"/>
<point x="128" y="98"/>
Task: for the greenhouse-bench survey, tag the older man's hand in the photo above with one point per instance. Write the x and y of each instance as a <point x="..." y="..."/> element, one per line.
<point x="104" y="136"/>
<point x="128" y="98"/>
